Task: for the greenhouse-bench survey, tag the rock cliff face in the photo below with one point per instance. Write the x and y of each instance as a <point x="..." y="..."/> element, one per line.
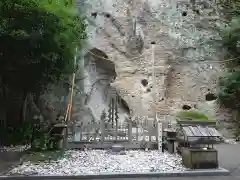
<point x="118" y="58"/>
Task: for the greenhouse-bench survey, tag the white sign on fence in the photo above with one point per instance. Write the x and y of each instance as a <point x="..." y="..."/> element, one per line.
<point x="159" y="135"/>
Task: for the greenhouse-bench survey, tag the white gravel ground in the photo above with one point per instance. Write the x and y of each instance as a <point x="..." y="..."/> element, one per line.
<point x="101" y="161"/>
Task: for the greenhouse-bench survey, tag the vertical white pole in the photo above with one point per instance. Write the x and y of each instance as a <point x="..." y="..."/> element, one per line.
<point x="154" y="82"/>
<point x="158" y="124"/>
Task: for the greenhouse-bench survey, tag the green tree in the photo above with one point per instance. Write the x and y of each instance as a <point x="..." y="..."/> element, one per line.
<point x="38" y="39"/>
<point x="229" y="90"/>
<point x="38" y="42"/>
<point x="229" y="83"/>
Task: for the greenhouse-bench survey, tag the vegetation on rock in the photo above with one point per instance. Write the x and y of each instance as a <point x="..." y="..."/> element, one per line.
<point x="38" y="42"/>
<point x="229" y="83"/>
<point x="192" y="114"/>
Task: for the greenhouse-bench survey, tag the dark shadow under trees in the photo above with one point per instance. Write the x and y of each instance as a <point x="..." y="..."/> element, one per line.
<point x="37" y="48"/>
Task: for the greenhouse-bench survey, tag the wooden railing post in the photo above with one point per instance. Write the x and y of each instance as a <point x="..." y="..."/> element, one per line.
<point x="159" y="135"/>
<point x="102" y="127"/>
<point x="130" y="130"/>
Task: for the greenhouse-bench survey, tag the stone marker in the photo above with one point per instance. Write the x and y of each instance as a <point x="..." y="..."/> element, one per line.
<point x="117" y="148"/>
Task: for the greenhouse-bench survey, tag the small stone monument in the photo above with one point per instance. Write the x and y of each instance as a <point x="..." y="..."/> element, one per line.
<point x="57" y="135"/>
<point x="118" y="149"/>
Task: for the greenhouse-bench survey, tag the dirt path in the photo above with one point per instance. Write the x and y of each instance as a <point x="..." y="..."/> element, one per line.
<point x="229" y="157"/>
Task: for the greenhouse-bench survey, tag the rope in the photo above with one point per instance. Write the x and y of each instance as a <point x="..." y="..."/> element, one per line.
<point x="203" y="61"/>
<point x="221" y="61"/>
<point x="110" y="59"/>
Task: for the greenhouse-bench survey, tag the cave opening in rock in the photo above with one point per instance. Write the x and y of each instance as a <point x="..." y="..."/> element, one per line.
<point x="124" y="105"/>
<point x="148" y="90"/>
<point x="144" y="82"/>
<point x="107" y="15"/>
<point x="99" y="73"/>
<point x="186" y="107"/>
<point x="94" y="14"/>
<point x="210" y="97"/>
<point x="184" y="13"/>
<point x="102" y="61"/>
<point x="196" y="11"/>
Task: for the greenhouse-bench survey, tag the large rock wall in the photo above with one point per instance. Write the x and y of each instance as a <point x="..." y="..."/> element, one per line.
<point x="186" y="63"/>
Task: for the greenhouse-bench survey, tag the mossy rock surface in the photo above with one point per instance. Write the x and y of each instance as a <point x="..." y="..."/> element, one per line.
<point x="192" y="115"/>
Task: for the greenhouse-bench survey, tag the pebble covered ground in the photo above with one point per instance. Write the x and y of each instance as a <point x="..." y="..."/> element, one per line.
<point x="102" y="161"/>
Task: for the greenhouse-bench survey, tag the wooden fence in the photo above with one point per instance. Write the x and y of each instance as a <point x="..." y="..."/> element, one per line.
<point x="133" y="134"/>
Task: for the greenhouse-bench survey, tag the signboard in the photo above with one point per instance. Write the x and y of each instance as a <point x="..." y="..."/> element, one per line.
<point x="159" y="135"/>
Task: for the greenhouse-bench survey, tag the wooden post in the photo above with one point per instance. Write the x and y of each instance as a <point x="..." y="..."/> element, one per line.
<point x="69" y="111"/>
<point x="137" y="131"/>
<point x="159" y="135"/>
<point x="71" y="96"/>
<point x="95" y="131"/>
<point x="102" y="126"/>
<point x="88" y="132"/>
<point x="115" y="111"/>
<point x="129" y="130"/>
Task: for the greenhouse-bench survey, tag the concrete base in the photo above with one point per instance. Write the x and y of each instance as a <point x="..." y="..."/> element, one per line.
<point x="189" y="173"/>
<point x="196" y="158"/>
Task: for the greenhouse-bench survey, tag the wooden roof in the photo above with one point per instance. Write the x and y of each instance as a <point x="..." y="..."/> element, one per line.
<point x="200" y="131"/>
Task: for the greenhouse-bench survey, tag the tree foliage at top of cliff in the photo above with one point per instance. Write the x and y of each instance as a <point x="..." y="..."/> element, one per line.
<point x="38" y="39"/>
<point x="230" y="8"/>
<point x="229" y="83"/>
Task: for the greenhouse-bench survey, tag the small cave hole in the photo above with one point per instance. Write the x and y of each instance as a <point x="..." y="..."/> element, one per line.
<point x="148" y="90"/>
<point x="210" y="97"/>
<point x="133" y="96"/>
<point x="144" y="82"/>
<point x="94" y="14"/>
<point x="186" y="107"/>
<point x="153" y="42"/>
<point x="196" y="11"/>
<point x="184" y="13"/>
<point x="107" y="15"/>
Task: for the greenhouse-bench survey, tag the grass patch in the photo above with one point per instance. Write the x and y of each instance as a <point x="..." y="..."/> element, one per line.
<point x="193" y="115"/>
<point x="43" y="156"/>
